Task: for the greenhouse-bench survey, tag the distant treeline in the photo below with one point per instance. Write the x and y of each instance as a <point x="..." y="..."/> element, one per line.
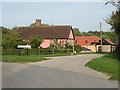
<point x="110" y="35"/>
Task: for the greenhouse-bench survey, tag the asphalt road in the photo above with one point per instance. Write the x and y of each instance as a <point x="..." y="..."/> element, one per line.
<point x="59" y="72"/>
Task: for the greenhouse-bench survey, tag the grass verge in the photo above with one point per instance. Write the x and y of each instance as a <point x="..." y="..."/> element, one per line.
<point x="55" y="55"/>
<point x="108" y="64"/>
<point x="30" y="58"/>
<point x="15" y="58"/>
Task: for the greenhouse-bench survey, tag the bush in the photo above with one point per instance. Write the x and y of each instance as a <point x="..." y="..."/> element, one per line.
<point x="68" y="46"/>
<point x="9" y="51"/>
<point x="77" y="48"/>
<point x="52" y="46"/>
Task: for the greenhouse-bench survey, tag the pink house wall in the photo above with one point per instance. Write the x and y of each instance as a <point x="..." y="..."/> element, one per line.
<point x="71" y="35"/>
<point x="47" y="42"/>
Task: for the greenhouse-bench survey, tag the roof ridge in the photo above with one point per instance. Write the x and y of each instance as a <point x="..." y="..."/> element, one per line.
<point x="45" y="26"/>
<point x="87" y="36"/>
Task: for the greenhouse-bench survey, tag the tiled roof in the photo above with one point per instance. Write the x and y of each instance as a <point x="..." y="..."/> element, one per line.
<point x="110" y="42"/>
<point x="49" y="32"/>
<point x="86" y="40"/>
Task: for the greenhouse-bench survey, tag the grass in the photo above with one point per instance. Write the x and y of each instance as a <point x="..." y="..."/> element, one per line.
<point x="34" y="58"/>
<point x="93" y="53"/>
<point x="0" y="58"/>
<point x="30" y="58"/>
<point x="54" y="55"/>
<point x="108" y="64"/>
<point x="22" y="59"/>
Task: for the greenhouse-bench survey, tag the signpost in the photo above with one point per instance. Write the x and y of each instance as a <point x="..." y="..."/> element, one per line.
<point x="24" y="47"/>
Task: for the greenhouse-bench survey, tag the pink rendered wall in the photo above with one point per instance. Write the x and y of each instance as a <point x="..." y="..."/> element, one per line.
<point x="46" y="43"/>
<point x="71" y="35"/>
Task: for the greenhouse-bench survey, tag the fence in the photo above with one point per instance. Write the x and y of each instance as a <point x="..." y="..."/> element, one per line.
<point x="35" y="51"/>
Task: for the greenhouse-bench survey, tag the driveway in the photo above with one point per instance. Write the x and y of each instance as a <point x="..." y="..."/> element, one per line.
<point x="59" y="72"/>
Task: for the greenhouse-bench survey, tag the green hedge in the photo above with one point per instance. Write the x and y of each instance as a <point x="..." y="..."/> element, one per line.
<point x="9" y="51"/>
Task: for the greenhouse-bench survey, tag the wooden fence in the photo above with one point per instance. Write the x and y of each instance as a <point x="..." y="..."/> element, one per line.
<point x="35" y="51"/>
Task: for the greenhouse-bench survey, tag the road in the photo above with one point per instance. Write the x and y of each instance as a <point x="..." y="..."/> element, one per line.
<point x="58" y="72"/>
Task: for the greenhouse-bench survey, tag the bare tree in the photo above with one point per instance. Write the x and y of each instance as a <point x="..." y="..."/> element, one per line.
<point x="115" y="3"/>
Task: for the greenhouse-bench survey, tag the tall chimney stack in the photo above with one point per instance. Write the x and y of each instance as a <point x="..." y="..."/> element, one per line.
<point x="38" y="22"/>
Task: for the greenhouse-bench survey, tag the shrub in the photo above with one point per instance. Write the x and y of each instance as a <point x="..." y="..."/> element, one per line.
<point x="36" y="40"/>
<point x="77" y="48"/>
<point x="9" y="51"/>
<point x="68" y="46"/>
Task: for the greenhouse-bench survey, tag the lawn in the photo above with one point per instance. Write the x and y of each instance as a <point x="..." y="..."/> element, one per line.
<point x="16" y="58"/>
<point x="108" y="64"/>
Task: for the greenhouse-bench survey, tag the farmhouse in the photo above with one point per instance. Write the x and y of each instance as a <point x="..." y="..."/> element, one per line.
<point x="93" y="43"/>
<point x="107" y="46"/>
<point x="51" y="34"/>
<point x="86" y="42"/>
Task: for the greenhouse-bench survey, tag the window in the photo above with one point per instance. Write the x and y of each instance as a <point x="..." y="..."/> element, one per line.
<point x="86" y="41"/>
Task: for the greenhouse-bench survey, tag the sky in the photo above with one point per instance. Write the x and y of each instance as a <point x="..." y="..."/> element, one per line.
<point x="83" y="15"/>
<point x="52" y="0"/>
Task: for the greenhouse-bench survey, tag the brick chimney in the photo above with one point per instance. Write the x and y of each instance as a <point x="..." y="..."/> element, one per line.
<point x="38" y="22"/>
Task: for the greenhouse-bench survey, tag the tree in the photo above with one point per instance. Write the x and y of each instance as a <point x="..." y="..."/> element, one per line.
<point x="76" y="32"/>
<point x="105" y="34"/>
<point x="36" y="40"/>
<point x="114" y="21"/>
<point x="113" y="2"/>
<point x="5" y="30"/>
<point x="11" y="39"/>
